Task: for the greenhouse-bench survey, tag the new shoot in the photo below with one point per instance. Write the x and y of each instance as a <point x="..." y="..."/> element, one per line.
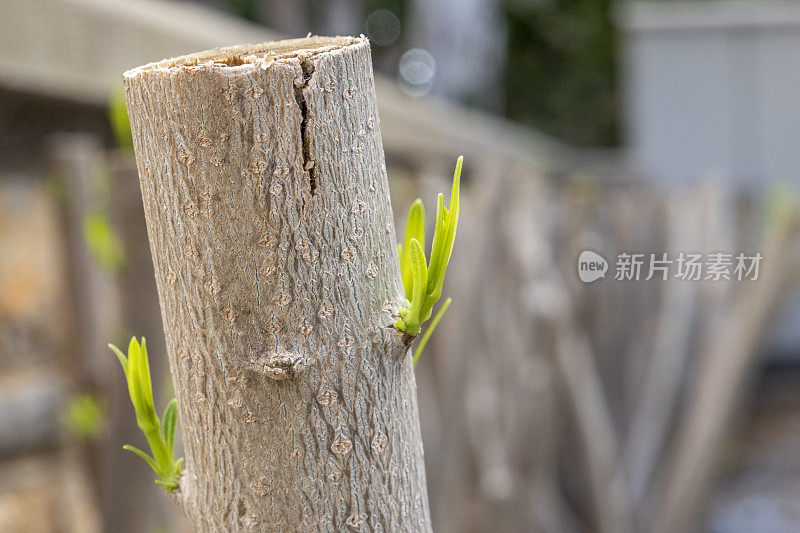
<point x="160" y="435"/>
<point x="423" y="279"/>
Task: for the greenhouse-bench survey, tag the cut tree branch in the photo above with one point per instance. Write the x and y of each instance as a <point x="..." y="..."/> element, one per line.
<point x="268" y="213"/>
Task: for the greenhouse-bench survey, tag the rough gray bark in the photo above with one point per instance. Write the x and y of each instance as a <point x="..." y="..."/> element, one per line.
<point x="268" y="213"/>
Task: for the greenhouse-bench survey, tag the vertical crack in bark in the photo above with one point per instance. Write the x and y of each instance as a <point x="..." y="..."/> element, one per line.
<point x="308" y="161"/>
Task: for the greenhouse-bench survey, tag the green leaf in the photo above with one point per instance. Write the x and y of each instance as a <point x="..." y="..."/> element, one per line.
<point x="140" y="387"/>
<point x="419" y="276"/>
<point x="405" y="268"/>
<point x="168" y="423"/>
<point x="438" y="245"/>
<point x="419" y="270"/>
<point x="443" y="240"/>
<point x="147" y="382"/>
<point x="429" y="332"/>
<point x="415" y="229"/>
<point x="143" y="455"/>
<point x="134" y="370"/>
<point x="122" y="359"/>
<point x="134" y="358"/>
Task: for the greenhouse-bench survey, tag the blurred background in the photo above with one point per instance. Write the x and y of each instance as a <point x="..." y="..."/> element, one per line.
<point x="648" y="127"/>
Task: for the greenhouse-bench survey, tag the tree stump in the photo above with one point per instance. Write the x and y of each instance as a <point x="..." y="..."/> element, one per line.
<point x="268" y="214"/>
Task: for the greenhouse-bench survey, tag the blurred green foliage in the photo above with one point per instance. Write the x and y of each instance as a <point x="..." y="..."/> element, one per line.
<point x="782" y="205"/>
<point x="118" y="117"/>
<point x="83" y="416"/>
<point x="560" y="61"/>
<point x="246" y="9"/>
<point x="560" y="70"/>
<point x="103" y="242"/>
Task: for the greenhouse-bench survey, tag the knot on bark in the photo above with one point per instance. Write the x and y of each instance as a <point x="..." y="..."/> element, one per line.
<point x="280" y="366"/>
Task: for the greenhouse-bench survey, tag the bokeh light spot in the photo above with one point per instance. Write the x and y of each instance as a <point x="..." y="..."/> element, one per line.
<point x="417" y="69"/>
<point x="383" y="27"/>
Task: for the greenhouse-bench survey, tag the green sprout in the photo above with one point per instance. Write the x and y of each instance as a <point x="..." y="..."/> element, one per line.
<point x="160" y="435"/>
<point x="423" y="280"/>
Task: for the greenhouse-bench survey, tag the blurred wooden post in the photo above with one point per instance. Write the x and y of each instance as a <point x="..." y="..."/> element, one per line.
<point x="662" y="379"/>
<point x="78" y="161"/>
<point x="717" y="386"/>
